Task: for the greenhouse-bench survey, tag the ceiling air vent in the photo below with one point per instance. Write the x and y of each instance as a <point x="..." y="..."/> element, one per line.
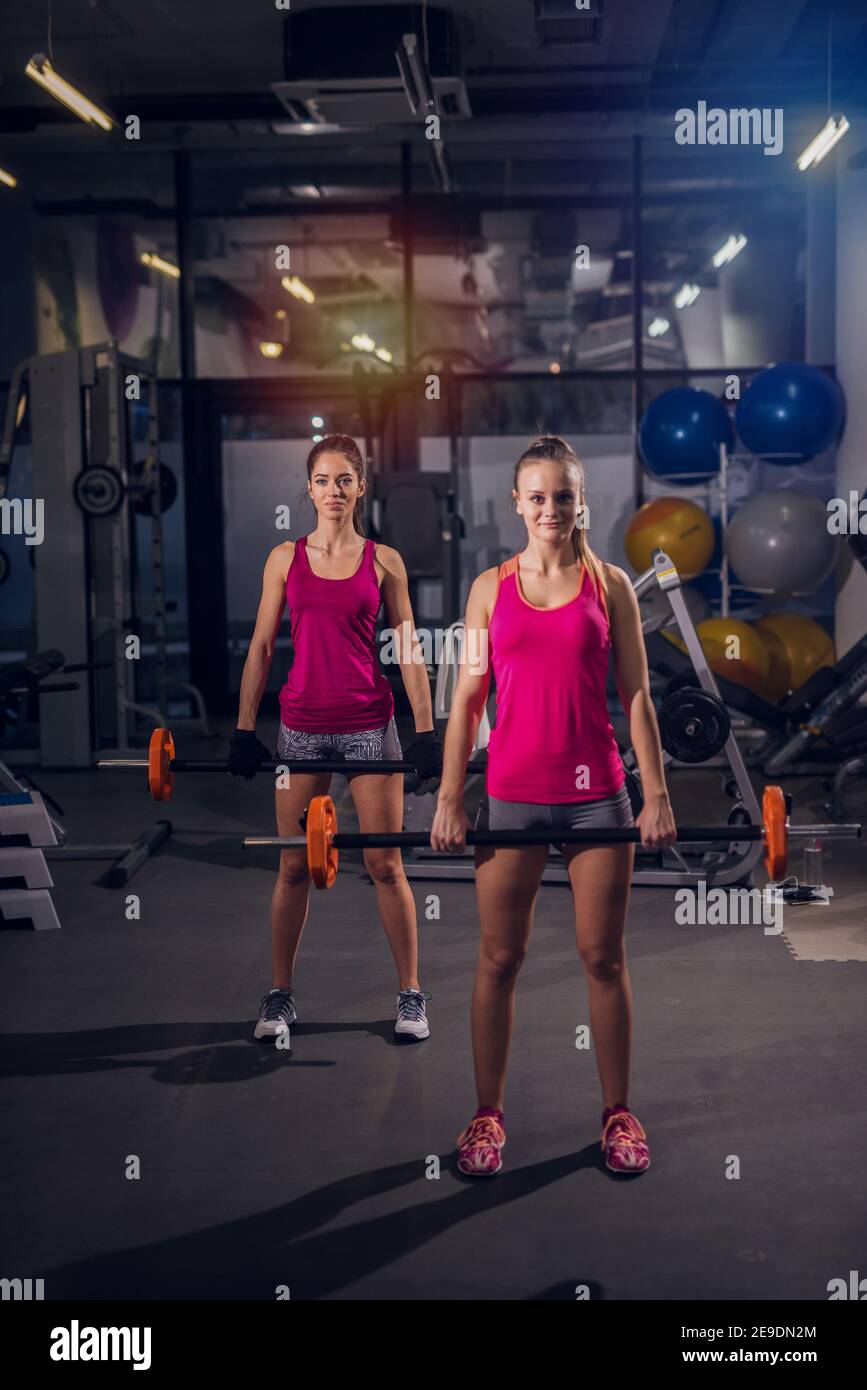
<point x="340" y="66"/>
<point x="564" y="22"/>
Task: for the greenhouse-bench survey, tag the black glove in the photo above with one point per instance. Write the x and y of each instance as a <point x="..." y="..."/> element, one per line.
<point x="426" y="755"/>
<point x="246" y="753"/>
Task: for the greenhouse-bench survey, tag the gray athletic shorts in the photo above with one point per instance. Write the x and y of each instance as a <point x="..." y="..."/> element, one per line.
<point x="368" y="745"/>
<point x="605" y="813"/>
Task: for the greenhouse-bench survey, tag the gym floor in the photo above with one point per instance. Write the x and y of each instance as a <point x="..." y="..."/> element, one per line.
<point x="313" y="1169"/>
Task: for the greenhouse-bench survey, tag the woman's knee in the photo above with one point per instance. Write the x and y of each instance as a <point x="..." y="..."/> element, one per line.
<point x="293" y="872"/>
<point x="385" y="866"/>
<point x="501" y="963"/>
<point x="602" y="964"/>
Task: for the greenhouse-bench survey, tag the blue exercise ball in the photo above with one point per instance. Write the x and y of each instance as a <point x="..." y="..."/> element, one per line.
<point x="681" y="432"/>
<point x="791" y="412"/>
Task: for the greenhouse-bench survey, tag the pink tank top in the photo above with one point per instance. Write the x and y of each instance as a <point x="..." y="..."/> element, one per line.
<point x="336" y="684"/>
<point x="550" y="666"/>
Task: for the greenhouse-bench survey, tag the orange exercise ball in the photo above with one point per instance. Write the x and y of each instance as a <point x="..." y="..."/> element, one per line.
<point x="674" y="524"/>
<point x="806" y="644"/>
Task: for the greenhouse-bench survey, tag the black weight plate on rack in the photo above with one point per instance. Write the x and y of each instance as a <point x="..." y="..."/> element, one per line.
<point x="693" y="725"/>
<point x="168" y="490"/>
<point x="99" y="491"/>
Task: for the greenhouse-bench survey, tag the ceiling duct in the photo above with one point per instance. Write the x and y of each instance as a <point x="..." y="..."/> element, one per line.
<point x="356" y="81"/>
<point x="560" y="22"/>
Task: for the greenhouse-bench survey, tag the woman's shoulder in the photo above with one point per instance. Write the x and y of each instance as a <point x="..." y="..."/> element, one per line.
<point x="618" y="580"/>
<point x="619" y="595"/>
<point x="386" y="554"/>
<point x="486" y="582"/>
<point x="280" y="558"/>
<point x="483" y="590"/>
<point x="388" y="559"/>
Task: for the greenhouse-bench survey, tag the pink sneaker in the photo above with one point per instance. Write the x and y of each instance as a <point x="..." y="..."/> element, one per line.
<point x="479" y="1147"/>
<point x="624" y="1142"/>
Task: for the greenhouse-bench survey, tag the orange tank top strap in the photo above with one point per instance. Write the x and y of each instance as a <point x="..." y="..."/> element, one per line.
<point x="600" y="590"/>
<point x="506" y="568"/>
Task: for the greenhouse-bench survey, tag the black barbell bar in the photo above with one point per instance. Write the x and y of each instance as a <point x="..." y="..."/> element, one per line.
<point x="322" y="838"/>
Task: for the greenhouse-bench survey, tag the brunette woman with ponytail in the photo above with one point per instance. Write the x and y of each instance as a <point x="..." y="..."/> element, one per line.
<point x="548" y="619"/>
<point x="336" y="703"/>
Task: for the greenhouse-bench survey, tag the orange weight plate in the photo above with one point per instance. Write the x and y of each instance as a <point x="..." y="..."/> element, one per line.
<point x="161" y="779"/>
<point x="776" y="832"/>
<point x="321" y="853"/>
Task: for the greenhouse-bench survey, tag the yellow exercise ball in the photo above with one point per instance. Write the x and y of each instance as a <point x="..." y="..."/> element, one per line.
<point x="779" y="681"/>
<point x="745" y="662"/>
<point x="674" y="524"/>
<point x="806" y="643"/>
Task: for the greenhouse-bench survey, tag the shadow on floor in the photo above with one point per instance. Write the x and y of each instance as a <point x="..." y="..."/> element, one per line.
<point x="253" y="1257"/>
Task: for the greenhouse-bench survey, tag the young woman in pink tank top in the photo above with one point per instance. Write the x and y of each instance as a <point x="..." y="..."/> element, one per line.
<point x="337" y="704"/>
<point x="545" y="622"/>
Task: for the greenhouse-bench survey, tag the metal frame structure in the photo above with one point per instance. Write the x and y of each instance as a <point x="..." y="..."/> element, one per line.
<point x="86" y="604"/>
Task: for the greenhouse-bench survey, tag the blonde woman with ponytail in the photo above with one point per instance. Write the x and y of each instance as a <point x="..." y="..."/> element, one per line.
<point x="545" y="622"/>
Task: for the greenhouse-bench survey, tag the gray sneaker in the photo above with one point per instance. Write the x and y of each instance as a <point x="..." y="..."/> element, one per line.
<point x="411" y="1017"/>
<point x="276" y="1015"/>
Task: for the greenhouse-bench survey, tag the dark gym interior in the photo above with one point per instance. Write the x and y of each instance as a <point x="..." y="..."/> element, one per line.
<point x="442" y="229"/>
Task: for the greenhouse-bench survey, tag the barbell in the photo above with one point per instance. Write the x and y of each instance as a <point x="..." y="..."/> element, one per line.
<point x="323" y="841"/>
<point x="161" y="765"/>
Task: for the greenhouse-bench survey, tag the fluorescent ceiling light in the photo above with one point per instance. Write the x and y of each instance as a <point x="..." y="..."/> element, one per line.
<point x="298" y="289"/>
<point x="658" y="326"/>
<point x="686" y="295"/>
<point x="308" y="128"/>
<point x="383" y="354"/>
<point x="155" y="262"/>
<point x="7" y="178"/>
<point x="363" y="342"/>
<point x="833" y="130"/>
<point x="729" y="249"/>
<point x="40" y="69"/>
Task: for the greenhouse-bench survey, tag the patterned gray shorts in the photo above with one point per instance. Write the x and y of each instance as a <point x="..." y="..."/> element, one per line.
<point x="368" y="745"/>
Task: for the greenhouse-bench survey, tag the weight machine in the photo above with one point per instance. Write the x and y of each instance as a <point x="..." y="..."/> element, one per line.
<point x="417" y="509"/>
<point x="84" y="473"/>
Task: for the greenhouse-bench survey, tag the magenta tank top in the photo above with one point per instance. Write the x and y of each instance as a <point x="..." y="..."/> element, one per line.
<point x="550" y="666"/>
<point x="336" y="684"/>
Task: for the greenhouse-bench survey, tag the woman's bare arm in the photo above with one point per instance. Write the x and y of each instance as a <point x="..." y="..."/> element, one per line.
<point x="261" y="650"/>
<point x="450" y="825"/>
<point x="633" y="681"/>
<point x="398" y="610"/>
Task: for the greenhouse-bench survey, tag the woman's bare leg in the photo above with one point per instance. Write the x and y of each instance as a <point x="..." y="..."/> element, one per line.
<point x="601" y="879"/>
<point x="290" y="898"/>
<point x="379" y="804"/>
<point x="507" y="881"/>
